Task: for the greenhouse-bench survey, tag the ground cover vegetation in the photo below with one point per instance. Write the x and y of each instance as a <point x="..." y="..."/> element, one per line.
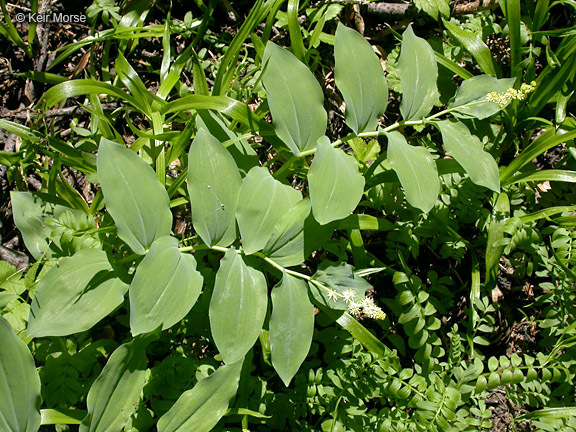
<point x="284" y="215"/>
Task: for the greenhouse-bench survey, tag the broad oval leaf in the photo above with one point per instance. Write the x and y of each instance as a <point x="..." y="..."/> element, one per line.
<point x="416" y="171"/>
<point x="213" y="185"/>
<point x="286" y="245"/>
<point x="134" y="197"/>
<point x="468" y="152"/>
<point x="262" y="202"/>
<point x="418" y="72"/>
<point x="237" y="307"/>
<point x="115" y="394"/>
<point x="19" y="384"/>
<point x="291" y="326"/>
<point x="200" y="408"/>
<point x="360" y="78"/>
<point x="336" y="186"/>
<point x="75" y="294"/>
<point x="31" y="211"/>
<point x="240" y="149"/>
<point x="474" y="91"/>
<point x="165" y="287"/>
<point x="295" y="99"/>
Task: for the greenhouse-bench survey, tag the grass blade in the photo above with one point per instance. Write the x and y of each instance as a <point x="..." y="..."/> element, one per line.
<point x="70" y="89"/>
<point x="511" y="9"/>
<point x="544" y="142"/>
<point x="234" y="109"/>
<point x="295" y="32"/>
<point x="474" y="45"/>
<point x="228" y="63"/>
<point x="544" y="175"/>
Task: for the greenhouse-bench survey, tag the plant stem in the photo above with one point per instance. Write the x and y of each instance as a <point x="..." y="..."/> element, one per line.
<point x="376" y="133"/>
<point x="266" y="259"/>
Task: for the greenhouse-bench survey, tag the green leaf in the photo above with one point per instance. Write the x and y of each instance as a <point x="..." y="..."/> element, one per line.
<point x="200" y="408"/>
<point x="5" y="299"/>
<point x="62" y="416"/>
<point x="286" y="245"/>
<point x="80" y="87"/>
<point x="115" y="394"/>
<point x="165" y="287"/>
<point x="552" y="79"/>
<point x="434" y="8"/>
<point x="467" y="150"/>
<point x="75" y="294"/>
<point x="295" y="30"/>
<point x="11" y="279"/>
<point x="365" y="222"/>
<point x="416" y="170"/>
<point x="10" y="158"/>
<point x="31" y="212"/>
<point x="228" y="63"/>
<point x="474" y="45"/>
<point x="544" y="175"/>
<point x="474" y="91"/>
<point x="365" y="152"/>
<point x="295" y="99"/>
<point x="494" y="246"/>
<point x="338" y="277"/>
<point x="512" y="13"/>
<point x="551" y="413"/>
<point x="213" y="185"/>
<point x="133" y="82"/>
<point x="246" y="412"/>
<point x="291" y="326"/>
<point x="231" y="107"/>
<point x="19" y="384"/>
<point x="363" y="335"/>
<point x="21" y="130"/>
<point x="237" y="307"/>
<point x="256" y="216"/>
<point x="418" y="72"/>
<point x="173" y="75"/>
<point x="72" y="231"/>
<point x="336" y="186"/>
<point x="360" y="78"/>
<point x="546" y="213"/>
<point x="545" y="141"/>
<point x="134" y="197"/>
<point x="241" y="150"/>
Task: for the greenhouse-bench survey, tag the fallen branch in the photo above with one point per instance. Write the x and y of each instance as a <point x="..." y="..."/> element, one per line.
<point x="17" y="259"/>
<point x="385" y="10"/>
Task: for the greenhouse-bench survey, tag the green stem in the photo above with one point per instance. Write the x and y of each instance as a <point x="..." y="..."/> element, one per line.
<point x="269" y="261"/>
<point x="380" y="132"/>
<point x="128" y="258"/>
<point x="192" y="248"/>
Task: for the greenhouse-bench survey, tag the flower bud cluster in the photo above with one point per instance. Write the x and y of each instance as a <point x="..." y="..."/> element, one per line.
<point x="502" y="99"/>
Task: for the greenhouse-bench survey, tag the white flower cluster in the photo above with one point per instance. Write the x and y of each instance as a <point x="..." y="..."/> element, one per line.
<point x="365" y="307"/>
